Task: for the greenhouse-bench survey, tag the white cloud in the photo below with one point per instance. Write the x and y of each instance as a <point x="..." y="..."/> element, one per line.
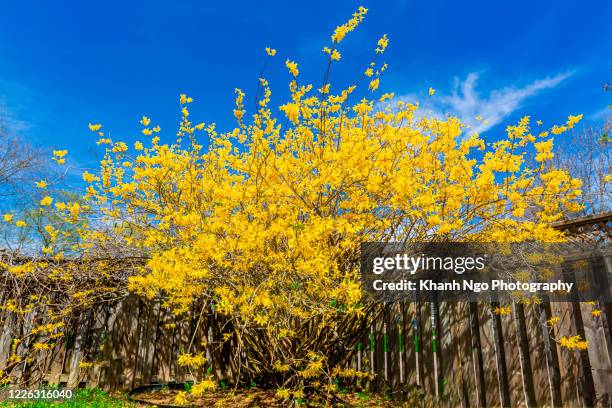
<point x="466" y="102"/>
<point x="13" y="100"/>
<point x="10" y="123"/>
<point x="601" y="114"/>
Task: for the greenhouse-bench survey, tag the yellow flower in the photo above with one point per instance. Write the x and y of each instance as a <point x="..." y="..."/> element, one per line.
<point x="89" y="178"/>
<point x="553" y="320"/>
<point x="431" y="91"/>
<point x="502" y="311"/>
<point x="386" y="96"/>
<point x="239" y="111"/>
<point x="544" y="150"/>
<point x="238" y="114"/>
<point x="21" y="223"/>
<point x="189" y="360"/>
<point x="383" y="42"/>
<point x="573" y="120"/>
<point x="181" y="398"/>
<point x="41" y="346"/>
<point x="270" y="51"/>
<point x="145" y="121"/>
<point x="342" y="30"/>
<point x="596" y="313"/>
<point x="46" y="201"/>
<point x="335" y="55"/>
<point x="539" y="123"/>
<point x="283" y="393"/>
<point x="147" y="132"/>
<point x="185" y="99"/>
<point x="573" y="343"/>
<point x="75" y="209"/>
<point x="94" y="127"/>
<point x="8" y="217"/>
<point x="282" y="368"/>
<point x="557" y="130"/>
<point x="292" y="110"/>
<point x="202" y="387"/>
<point x="41" y="184"/>
<point x="59" y="156"/>
<point x="292" y="66"/>
<point x="374" y="84"/>
<point x="119" y="147"/>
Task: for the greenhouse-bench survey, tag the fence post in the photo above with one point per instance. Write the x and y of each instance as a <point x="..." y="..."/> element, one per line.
<point x="435" y="341"/>
<point x="586" y="386"/>
<point x="552" y="359"/>
<point x="477" y="356"/>
<point x="78" y="351"/>
<point x="416" y="327"/>
<point x="523" y="346"/>
<point x="500" y="356"/>
<point x="400" y="334"/>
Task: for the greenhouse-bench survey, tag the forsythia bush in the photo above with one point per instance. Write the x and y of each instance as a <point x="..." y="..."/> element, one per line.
<point x="262" y="223"/>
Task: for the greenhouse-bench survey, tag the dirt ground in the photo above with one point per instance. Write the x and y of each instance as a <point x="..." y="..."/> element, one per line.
<point x="253" y="398"/>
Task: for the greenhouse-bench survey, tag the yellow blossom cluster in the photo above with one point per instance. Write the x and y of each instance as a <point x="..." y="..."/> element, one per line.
<point x="502" y="311"/>
<point x="342" y="30"/>
<point x="189" y="360"/>
<point x="573" y="343"/>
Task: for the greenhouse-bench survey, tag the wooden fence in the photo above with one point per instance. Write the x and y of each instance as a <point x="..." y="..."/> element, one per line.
<point x="132" y="343"/>
<point x="463" y="354"/>
<point x="466" y="355"/>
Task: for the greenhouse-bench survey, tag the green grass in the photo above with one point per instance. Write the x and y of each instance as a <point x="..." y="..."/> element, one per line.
<point x="83" y="398"/>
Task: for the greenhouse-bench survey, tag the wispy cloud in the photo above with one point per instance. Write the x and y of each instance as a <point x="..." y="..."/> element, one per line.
<point x="468" y="103"/>
<point x="12" y="99"/>
<point x="600" y="114"/>
<point x="10" y="123"/>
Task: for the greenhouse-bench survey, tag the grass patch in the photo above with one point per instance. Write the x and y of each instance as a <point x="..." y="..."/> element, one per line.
<point x="82" y="398"/>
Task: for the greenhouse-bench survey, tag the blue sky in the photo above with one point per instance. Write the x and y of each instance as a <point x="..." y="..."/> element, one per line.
<point x="65" y="64"/>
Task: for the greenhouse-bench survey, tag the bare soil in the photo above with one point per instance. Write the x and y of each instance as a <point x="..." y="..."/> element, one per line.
<point x="255" y="398"/>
